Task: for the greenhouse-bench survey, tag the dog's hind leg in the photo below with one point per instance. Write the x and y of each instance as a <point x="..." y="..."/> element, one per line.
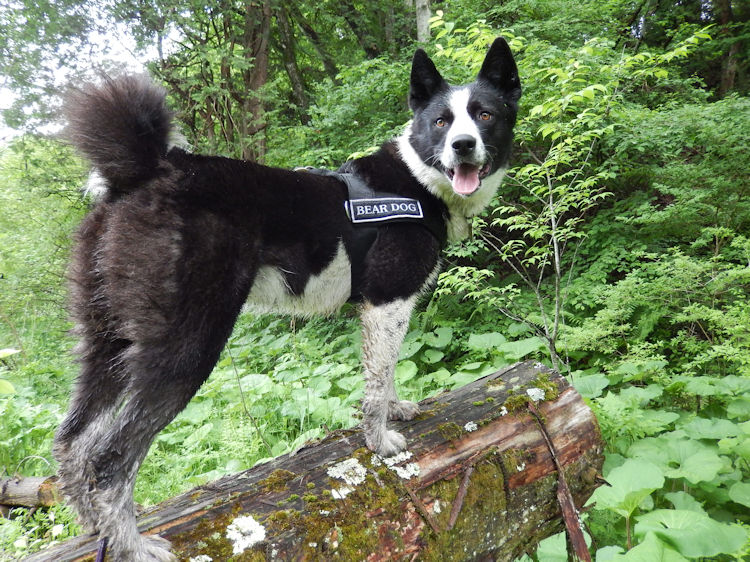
<point x="383" y="329"/>
<point x="99" y="391"/>
<point x="164" y="377"/>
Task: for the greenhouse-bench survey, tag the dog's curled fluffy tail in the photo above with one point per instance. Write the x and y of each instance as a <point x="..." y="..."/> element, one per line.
<point x="122" y="126"/>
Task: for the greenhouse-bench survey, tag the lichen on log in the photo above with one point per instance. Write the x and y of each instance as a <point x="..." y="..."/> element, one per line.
<point x="478" y="481"/>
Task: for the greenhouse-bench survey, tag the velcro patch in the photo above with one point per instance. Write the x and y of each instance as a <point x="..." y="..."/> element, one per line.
<point x="383" y="209"/>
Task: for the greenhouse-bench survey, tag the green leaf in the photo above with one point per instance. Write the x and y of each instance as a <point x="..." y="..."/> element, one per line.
<point x="696" y="465"/>
<point x="683" y="500"/>
<point x="6" y="387"/>
<point x="519" y="349"/>
<point x="740" y="493"/>
<point x="440" y="337"/>
<point x="553" y="549"/>
<point x="702" y="428"/>
<point x="432" y="355"/>
<point x="653" y="549"/>
<point x="692" y="534"/>
<point x="590" y="386"/>
<point x="739" y="408"/>
<point x="7" y="352"/>
<point x="487" y="341"/>
<point x="196" y="437"/>
<point x="630" y="483"/>
<point x="196" y="412"/>
<point x="405" y="371"/>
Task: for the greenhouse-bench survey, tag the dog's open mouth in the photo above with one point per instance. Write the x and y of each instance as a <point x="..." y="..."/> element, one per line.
<point x="467" y="177"/>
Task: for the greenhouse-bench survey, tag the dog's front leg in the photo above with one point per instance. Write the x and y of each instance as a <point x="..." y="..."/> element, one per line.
<point x="383" y="329"/>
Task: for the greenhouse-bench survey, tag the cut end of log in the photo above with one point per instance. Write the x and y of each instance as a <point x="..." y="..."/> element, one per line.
<point x="478" y="481"/>
<point x="29" y="491"/>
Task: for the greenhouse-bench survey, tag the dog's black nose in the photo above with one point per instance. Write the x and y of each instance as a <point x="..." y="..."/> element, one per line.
<point x="463" y="144"/>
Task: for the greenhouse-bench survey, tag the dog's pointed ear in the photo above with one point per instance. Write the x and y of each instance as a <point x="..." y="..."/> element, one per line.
<point x="499" y="70"/>
<point x="425" y="80"/>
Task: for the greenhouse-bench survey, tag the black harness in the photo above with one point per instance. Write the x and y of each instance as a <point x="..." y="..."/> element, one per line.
<point x="369" y="210"/>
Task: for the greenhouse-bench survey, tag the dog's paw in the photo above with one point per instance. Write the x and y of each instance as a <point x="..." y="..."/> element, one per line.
<point x="402" y="410"/>
<point x="149" y="548"/>
<point x="158" y="549"/>
<point x="386" y="443"/>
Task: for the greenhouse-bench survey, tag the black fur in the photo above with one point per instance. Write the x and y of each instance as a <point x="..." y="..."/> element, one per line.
<point x="166" y="258"/>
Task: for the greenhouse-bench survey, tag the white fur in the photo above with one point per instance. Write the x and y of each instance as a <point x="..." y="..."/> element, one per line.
<point x="324" y="293"/>
<point x="96" y="186"/>
<point x="463" y="124"/>
<point x="460" y="206"/>
<point x="383" y="331"/>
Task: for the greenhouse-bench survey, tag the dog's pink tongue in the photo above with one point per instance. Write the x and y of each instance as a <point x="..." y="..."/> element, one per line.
<point x="466" y="179"/>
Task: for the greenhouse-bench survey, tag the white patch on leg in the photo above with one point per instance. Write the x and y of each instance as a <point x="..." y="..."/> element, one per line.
<point x="117" y="523"/>
<point x="324" y="293"/>
<point x="383" y="331"/>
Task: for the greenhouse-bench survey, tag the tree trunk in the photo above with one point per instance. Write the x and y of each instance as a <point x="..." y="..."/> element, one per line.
<point x="255" y="43"/>
<point x="328" y="64"/>
<point x="287" y="46"/>
<point x="729" y="61"/>
<point x="423" y="20"/>
<point x="479" y="482"/>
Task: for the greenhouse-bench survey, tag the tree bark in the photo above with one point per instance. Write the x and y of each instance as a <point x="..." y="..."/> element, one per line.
<point x="255" y="43"/>
<point x="729" y="60"/>
<point x="31" y="491"/>
<point x="287" y="47"/>
<point x="423" y="20"/>
<point x="479" y="483"/>
<point x="328" y="63"/>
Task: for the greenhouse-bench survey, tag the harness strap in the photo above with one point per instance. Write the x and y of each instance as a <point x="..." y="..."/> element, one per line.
<point x="369" y="210"/>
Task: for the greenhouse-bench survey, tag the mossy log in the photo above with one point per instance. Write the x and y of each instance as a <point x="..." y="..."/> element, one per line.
<point x="478" y="482"/>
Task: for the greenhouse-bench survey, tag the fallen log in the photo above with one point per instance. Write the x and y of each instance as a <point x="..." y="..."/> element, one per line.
<point x="478" y="482"/>
<point x="29" y="491"/>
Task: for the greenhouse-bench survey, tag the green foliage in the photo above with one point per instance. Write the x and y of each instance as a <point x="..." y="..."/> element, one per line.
<point x="618" y="244"/>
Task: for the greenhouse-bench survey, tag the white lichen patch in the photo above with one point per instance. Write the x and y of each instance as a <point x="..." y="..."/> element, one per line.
<point x="521" y="466"/>
<point x="245" y="532"/>
<point x="536" y="394"/>
<point x="341" y="493"/>
<point x="351" y="472"/>
<point x="503" y="411"/>
<point x="406" y="472"/>
<point x="201" y="558"/>
<point x="436" y="507"/>
<point x="470" y="426"/>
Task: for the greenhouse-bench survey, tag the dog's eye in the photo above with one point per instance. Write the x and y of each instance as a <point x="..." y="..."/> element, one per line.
<point x="485" y="115"/>
<point x="440" y="122"/>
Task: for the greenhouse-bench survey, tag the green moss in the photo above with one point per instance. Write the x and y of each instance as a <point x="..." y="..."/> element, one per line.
<point x="515" y="401"/>
<point x="310" y="485"/>
<point x="551" y="391"/>
<point x="276" y="481"/>
<point x="476" y="525"/>
<point x="450" y="431"/>
<point x="478" y="403"/>
<point x="209" y="537"/>
<point x="329" y="521"/>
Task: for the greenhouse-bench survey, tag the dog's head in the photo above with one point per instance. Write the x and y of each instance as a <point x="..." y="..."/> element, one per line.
<point x="459" y="141"/>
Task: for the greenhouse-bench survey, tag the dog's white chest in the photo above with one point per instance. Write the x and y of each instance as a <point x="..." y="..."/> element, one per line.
<point x="324" y="293"/>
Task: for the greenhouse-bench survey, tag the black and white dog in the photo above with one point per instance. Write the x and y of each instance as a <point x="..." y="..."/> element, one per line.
<point x="178" y="242"/>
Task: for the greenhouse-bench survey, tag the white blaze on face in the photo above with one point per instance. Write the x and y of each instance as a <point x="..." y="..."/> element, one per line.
<point x="465" y="174"/>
